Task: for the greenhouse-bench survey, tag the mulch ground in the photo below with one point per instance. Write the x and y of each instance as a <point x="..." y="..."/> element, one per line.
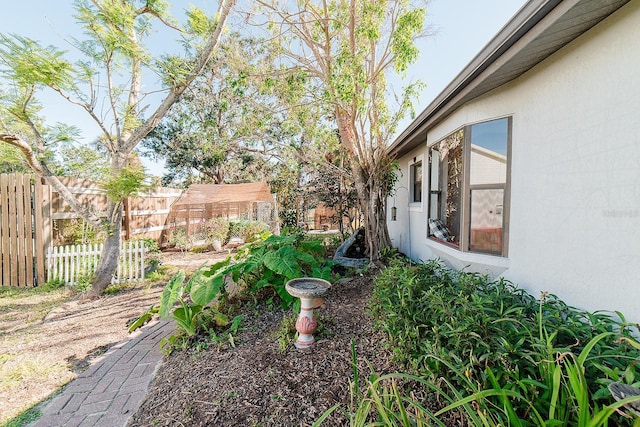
<point x="257" y="383"/>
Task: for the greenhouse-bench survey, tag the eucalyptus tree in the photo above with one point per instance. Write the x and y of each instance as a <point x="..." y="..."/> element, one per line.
<point x="107" y="85"/>
<point x="343" y="49"/>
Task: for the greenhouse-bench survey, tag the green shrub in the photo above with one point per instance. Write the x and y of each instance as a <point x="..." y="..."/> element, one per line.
<point x="491" y="337"/>
<point x="260" y="269"/>
<point x="248" y="231"/>
<point x="179" y="238"/>
<point x="217" y="229"/>
<point x="76" y="232"/>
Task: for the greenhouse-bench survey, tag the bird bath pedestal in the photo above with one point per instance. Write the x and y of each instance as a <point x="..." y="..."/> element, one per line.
<point x="309" y="290"/>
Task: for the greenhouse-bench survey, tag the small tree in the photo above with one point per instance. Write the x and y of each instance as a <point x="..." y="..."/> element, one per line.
<point x="106" y="85"/>
<point x="343" y="49"/>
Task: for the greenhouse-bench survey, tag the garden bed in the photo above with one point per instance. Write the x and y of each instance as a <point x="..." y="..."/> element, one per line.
<point x="257" y="383"/>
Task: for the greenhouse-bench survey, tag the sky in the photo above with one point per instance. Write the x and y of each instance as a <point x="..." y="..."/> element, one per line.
<point x="460" y="29"/>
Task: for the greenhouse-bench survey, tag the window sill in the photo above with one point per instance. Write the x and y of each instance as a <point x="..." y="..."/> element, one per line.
<point x="415" y="206"/>
<point x="493" y="265"/>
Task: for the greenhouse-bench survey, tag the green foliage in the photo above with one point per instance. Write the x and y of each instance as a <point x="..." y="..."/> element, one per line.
<point x="261" y="269"/>
<point x="179" y="238"/>
<point x="192" y="299"/>
<point x="76" y="231"/>
<point x="519" y="358"/>
<point x="157" y="275"/>
<point x="217" y="229"/>
<point x="287" y="333"/>
<point x="83" y="281"/>
<point x="11" y="160"/>
<point x="29" y="64"/>
<point x="118" y="287"/>
<point x="53" y="285"/>
<point x="269" y="264"/>
<point x="289" y="218"/>
<point x="212" y="129"/>
<point x="126" y="183"/>
<point x="25" y="417"/>
<point x="143" y="319"/>
<point x="248" y="231"/>
<point x="86" y="162"/>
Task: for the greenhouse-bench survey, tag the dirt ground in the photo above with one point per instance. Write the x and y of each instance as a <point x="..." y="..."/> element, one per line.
<point x="256" y="383"/>
<point x="46" y="339"/>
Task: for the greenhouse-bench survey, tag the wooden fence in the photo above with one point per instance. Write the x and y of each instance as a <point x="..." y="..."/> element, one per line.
<point x="145" y="215"/>
<point x="33" y="217"/>
<point x="24" y="229"/>
<point x="76" y="263"/>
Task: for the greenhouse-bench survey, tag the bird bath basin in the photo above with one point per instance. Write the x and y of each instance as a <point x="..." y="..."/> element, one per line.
<point x="310" y="291"/>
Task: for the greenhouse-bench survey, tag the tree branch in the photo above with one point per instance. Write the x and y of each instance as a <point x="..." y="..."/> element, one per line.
<point x="175" y="92"/>
<point x="41" y="170"/>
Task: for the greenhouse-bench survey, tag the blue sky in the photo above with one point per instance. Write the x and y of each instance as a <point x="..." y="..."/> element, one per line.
<point x="462" y="28"/>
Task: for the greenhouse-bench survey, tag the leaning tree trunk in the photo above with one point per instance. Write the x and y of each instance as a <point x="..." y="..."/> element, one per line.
<point x="110" y="256"/>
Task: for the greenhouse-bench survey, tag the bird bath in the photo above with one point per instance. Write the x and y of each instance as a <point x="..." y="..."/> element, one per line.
<point x="310" y="291"/>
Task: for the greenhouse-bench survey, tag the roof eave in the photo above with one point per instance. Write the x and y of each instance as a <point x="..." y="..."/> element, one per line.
<point x="531" y="21"/>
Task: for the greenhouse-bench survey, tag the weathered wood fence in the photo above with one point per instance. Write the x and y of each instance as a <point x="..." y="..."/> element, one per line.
<point x="33" y="216"/>
<point x="25" y="229"/>
<point x="76" y="263"/>
<point x="145" y="215"/>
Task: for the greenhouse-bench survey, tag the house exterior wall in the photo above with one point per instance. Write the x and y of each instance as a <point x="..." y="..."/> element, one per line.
<point x="574" y="227"/>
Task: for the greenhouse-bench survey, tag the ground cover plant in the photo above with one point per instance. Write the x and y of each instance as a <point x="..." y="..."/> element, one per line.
<point x="499" y="356"/>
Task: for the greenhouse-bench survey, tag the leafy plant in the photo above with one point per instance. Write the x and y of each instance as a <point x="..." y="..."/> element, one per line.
<point x="269" y="264"/>
<point x="127" y="182"/>
<point x="286" y="332"/>
<point x="248" y="231"/>
<point x="524" y="357"/>
<point x="179" y="238"/>
<point x="260" y="269"/>
<point x="190" y="306"/>
<point x="217" y="229"/>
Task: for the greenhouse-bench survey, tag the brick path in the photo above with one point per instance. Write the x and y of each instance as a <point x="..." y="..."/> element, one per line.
<point x="113" y="387"/>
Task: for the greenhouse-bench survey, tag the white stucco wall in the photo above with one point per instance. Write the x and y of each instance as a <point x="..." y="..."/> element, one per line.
<point x="575" y="182"/>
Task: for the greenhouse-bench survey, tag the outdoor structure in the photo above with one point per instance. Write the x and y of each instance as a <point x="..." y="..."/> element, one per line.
<point x="527" y="165"/>
<point x="145" y="213"/>
<point x="34" y="219"/>
<point x="249" y="201"/>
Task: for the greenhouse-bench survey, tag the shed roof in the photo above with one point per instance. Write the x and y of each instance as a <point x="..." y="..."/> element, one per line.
<point x="536" y="31"/>
<point x="226" y="193"/>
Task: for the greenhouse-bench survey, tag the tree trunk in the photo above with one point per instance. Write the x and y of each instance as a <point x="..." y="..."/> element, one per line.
<point x="366" y="167"/>
<point x="371" y="203"/>
<point x="110" y="255"/>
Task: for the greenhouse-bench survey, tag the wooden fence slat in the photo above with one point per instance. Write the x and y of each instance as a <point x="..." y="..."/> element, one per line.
<point x="39" y="201"/>
<point x="28" y="230"/>
<point x="4" y="230"/>
<point x="13" y="232"/>
<point x="20" y="247"/>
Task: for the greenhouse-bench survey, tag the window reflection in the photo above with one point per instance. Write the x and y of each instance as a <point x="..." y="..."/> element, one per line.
<point x="476" y="155"/>
<point x="488" y="178"/>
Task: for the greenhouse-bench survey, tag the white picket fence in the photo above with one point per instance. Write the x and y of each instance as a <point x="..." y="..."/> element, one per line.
<point x="74" y="263"/>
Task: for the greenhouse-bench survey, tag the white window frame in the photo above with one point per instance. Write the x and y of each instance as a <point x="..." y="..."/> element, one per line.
<point x="416" y="206"/>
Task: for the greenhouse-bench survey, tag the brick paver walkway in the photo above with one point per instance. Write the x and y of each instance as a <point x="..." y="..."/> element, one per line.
<point x="113" y="387"/>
